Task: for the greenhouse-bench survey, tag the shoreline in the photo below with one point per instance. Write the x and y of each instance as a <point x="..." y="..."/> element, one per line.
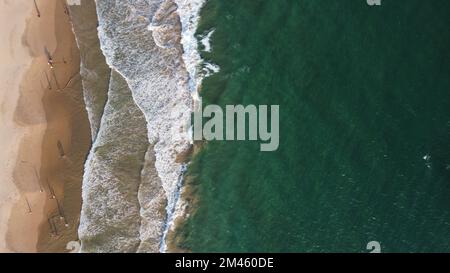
<point x="37" y="114"/>
<point x="189" y="16"/>
<point x="198" y="69"/>
<point x="66" y="141"/>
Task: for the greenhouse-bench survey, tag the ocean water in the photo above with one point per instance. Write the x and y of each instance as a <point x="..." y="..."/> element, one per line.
<point x="364" y="155"/>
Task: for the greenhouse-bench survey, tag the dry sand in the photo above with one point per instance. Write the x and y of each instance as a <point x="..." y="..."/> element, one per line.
<point x="42" y="116"/>
<point x="15" y="61"/>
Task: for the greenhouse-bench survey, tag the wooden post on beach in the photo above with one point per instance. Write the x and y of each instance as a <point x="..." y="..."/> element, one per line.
<point x="48" y="81"/>
<point x="37" y="9"/>
<point x="49" y="57"/>
<point x="70" y="81"/>
<point x="61" y="213"/>
<point x="52" y="192"/>
<point x="66" y="224"/>
<point x="60" y="210"/>
<point x="38" y="178"/>
<point x="28" y="205"/>
<point x="53" y="228"/>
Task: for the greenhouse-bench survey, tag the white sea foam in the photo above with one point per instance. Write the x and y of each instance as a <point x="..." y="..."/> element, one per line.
<point x="111" y="183"/>
<point x="173" y="210"/>
<point x="198" y="69"/>
<point x="152" y="67"/>
<point x="162" y="87"/>
<point x="206" y="41"/>
<point x="189" y="12"/>
<point x="210" y="68"/>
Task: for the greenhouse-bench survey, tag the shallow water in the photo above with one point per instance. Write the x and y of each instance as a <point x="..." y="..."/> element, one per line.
<point x="132" y="172"/>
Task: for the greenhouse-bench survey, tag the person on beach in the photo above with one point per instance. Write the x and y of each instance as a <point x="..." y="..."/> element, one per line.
<point x="50" y="63"/>
<point x="49" y="57"/>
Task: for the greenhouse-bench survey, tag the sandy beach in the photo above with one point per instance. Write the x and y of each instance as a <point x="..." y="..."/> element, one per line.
<point x="41" y="109"/>
<point x="16" y="59"/>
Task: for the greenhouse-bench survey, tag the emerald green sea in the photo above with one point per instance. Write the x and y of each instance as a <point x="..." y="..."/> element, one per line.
<point x="364" y="154"/>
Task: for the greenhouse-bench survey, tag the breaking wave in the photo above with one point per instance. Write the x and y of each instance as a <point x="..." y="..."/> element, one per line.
<point x="153" y="53"/>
